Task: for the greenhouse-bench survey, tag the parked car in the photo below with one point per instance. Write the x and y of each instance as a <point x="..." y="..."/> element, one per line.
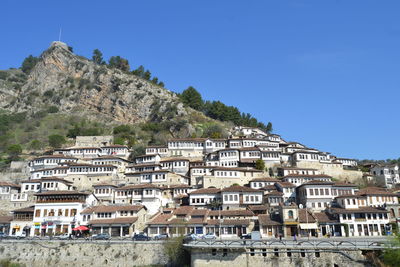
<point x="3" y="235"/>
<point x="63" y="236"/>
<point x="161" y="236"/>
<point x="18" y="235"/>
<point x="245" y="236"/>
<point x="103" y="236"/>
<point x="190" y="237"/>
<point x="140" y="237"/>
<point x="209" y="236"/>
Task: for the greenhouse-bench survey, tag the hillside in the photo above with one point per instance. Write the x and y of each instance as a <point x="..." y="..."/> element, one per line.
<point x="68" y="95"/>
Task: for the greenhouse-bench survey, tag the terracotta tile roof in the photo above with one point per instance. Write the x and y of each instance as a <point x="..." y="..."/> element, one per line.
<point x="238" y="188"/>
<point x="217" y="168"/>
<point x="323" y="217"/>
<point x="286" y="184"/>
<point x="161" y="219"/>
<point x="138" y="186"/>
<point x="274" y="193"/>
<point x="183" y="210"/>
<point x="305" y="216"/>
<point x="318" y="182"/>
<point x="27" y="209"/>
<point x="228" y="222"/>
<point x="113" y="208"/>
<point x="8" y="184"/>
<point x="61" y="192"/>
<point x="104" y="184"/>
<point x="199" y="212"/>
<point x="257" y="207"/>
<point x="146" y="172"/>
<point x="343" y="184"/>
<point x="115" y="146"/>
<point x="122" y="220"/>
<point x="359" y="210"/>
<point x="6" y="219"/>
<point x="230" y="213"/>
<point x="209" y="190"/>
<point x="308" y="175"/>
<point x="265" y="179"/>
<point x="31" y="181"/>
<point x="54" y="178"/>
<point x="58" y="156"/>
<point x="196" y="221"/>
<point x="268" y="188"/>
<point x="375" y="191"/>
<point x="265" y="219"/>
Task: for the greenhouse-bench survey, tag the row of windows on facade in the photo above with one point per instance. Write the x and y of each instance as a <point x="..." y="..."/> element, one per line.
<point x="41" y="161"/>
<point x="325" y="192"/>
<point x="174" y="164"/>
<point x="137" y="192"/>
<point x="369" y="216"/>
<point x="55" y="212"/>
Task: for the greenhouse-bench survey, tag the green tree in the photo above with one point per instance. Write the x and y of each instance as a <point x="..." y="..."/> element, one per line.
<point x="14" y="151"/>
<point x="98" y="57"/>
<point x="139" y="71"/>
<point x="35" y="145"/>
<point x="147" y="75"/>
<point x="161" y="84"/>
<point x="260" y="165"/>
<point x="29" y="63"/>
<point x="271" y="172"/>
<point x="154" y="80"/>
<point x="176" y="253"/>
<point x="119" y="63"/>
<point x="269" y="127"/>
<point x="56" y="140"/>
<point x="391" y="256"/>
<point x="192" y="98"/>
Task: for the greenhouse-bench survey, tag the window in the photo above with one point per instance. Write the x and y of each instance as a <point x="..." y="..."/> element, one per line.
<point x="290" y="214"/>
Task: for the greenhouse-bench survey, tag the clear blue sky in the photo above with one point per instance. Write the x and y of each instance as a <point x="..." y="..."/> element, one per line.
<point x="325" y="73"/>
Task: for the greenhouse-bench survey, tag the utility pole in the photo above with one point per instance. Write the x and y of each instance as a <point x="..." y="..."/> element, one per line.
<point x="59" y="35"/>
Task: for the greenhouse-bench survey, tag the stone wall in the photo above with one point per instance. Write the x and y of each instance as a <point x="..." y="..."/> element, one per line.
<point x="59" y="253"/>
<point x="267" y="258"/>
<point x="334" y="170"/>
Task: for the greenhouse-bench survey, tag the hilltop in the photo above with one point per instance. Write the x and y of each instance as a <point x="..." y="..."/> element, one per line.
<point x="66" y="94"/>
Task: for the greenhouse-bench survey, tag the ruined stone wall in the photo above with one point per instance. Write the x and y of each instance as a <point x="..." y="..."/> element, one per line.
<point x="63" y="254"/>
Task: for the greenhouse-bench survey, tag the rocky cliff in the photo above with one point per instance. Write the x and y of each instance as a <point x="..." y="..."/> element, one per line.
<point x="77" y="85"/>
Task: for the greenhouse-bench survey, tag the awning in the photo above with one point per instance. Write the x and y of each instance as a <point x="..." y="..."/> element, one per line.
<point x="308" y="226"/>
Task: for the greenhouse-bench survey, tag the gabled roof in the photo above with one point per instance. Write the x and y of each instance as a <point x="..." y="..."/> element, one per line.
<point x="324" y="217"/>
<point x="305" y="216"/>
<point x="266" y="219"/>
<point x="359" y="210"/>
<point x="285" y="184"/>
<point x="210" y="190"/>
<point x="265" y="179"/>
<point x="238" y="188"/>
<point x="61" y="192"/>
<point x="9" y="184"/>
<point x="121" y="220"/>
<point x="27" y="209"/>
<point x="113" y="208"/>
<point x="230" y="213"/>
<point x="228" y="222"/>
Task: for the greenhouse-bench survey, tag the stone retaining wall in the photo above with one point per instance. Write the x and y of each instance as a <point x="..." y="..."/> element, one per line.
<point x="60" y="254"/>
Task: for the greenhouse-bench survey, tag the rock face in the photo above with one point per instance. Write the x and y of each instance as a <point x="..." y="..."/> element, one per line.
<point x="77" y="85"/>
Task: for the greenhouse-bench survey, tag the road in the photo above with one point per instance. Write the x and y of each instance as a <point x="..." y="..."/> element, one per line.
<point x="302" y="243"/>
